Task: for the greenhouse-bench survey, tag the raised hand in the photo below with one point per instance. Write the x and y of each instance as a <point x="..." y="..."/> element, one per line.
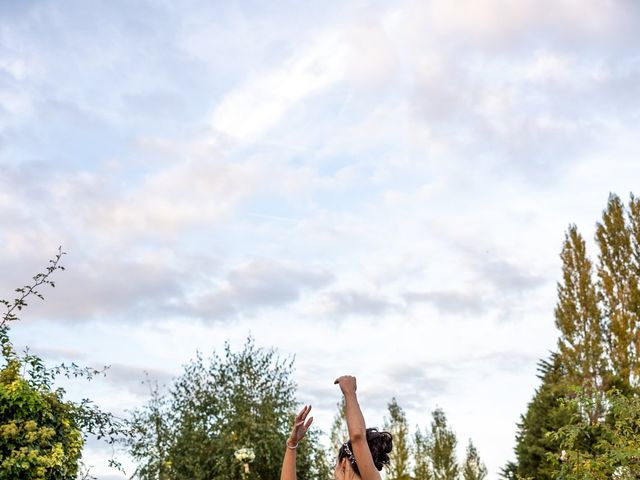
<point x="300" y="427"/>
<point x="347" y="384"/>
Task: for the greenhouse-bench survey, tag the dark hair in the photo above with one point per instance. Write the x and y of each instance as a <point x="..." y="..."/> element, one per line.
<point x="380" y="445"/>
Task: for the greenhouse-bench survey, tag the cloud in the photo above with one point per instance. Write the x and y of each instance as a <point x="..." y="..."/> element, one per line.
<point x="257" y="284"/>
<point x="135" y="379"/>
<point x="149" y="284"/>
<point x="340" y="303"/>
<point x="513" y="88"/>
<point x="179" y="196"/>
<point x="495" y="269"/>
<point x="452" y="302"/>
<point x="506" y="276"/>
<point x="505" y="25"/>
<point x="420" y="377"/>
<point x="252" y="109"/>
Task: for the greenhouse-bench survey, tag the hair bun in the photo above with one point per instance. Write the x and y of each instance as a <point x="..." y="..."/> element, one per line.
<point x="380" y="445"/>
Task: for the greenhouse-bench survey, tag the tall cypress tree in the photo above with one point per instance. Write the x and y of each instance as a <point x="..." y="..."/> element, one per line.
<point x="599" y="344"/>
<point x="579" y="320"/>
<point x="618" y="285"/>
<point x="545" y="413"/>
<point x="422" y="457"/>
<point x="396" y="424"/>
<point x="443" y="448"/>
<point x="634" y="290"/>
<point x="473" y="467"/>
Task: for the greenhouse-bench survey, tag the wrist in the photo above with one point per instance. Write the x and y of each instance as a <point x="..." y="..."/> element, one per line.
<point x="292" y="444"/>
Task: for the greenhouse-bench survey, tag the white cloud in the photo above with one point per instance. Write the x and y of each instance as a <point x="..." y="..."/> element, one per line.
<point x="549" y="67"/>
<point x="250" y="110"/>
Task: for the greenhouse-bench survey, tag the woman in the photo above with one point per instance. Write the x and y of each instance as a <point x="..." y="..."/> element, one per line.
<point x="362" y="457"/>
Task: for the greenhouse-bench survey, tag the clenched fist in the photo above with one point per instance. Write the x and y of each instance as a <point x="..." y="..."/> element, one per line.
<point x="347" y="384"/>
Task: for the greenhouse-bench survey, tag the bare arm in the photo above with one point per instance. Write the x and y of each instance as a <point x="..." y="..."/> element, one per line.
<point x="300" y="427"/>
<point x="357" y="429"/>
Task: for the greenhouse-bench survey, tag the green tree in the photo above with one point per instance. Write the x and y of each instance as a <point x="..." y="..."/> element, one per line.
<point x="546" y="413"/>
<point x="473" y="467"/>
<point x="39" y="435"/>
<point x="42" y="433"/>
<point x="238" y="400"/>
<point x="618" y="287"/>
<point x="443" y="448"/>
<point x="615" y="454"/>
<point x="396" y="424"/>
<point x="422" y="457"/>
<point x="339" y="433"/>
<point x="153" y="438"/>
<point x="579" y="321"/>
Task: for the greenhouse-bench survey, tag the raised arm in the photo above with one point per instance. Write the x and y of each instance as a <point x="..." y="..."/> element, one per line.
<point x="357" y="429"/>
<point x="300" y="427"/>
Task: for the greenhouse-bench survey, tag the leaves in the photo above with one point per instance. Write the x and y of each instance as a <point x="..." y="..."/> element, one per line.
<point x="473" y="468"/>
<point x="396" y="424"/>
<point x="236" y="400"/>
<point x="41" y="433"/>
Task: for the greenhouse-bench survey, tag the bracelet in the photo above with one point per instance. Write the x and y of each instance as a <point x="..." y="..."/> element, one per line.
<point x="292" y="448"/>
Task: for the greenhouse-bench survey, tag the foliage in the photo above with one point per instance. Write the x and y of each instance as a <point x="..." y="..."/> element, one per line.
<point x="615" y="453"/>
<point x="598" y="318"/>
<point x="618" y="276"/>
<point x="580" y="322"/>
<point x="20" y="301"/>
<point x="41" y="433"/>
<point x="545" y="413"/>
<point x="240" y="400"/>
<point x="473" y="467"/>
<point x="435" y="454"/>
<point x="443" y="448"/>
<point x="422" y="457"/>
<point x="339" y="433"/>
<point x="396" y="424"/>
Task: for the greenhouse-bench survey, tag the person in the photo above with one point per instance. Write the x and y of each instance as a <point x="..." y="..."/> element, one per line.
<point x="361" y="457"/>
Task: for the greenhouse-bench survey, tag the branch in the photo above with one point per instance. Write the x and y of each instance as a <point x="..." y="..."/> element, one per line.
<point x="39" y="280"/>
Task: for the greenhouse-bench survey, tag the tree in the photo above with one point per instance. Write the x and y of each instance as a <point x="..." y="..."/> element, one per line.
<point x="422" y="457"/>
<point x="598" y="351"/>
<point x="153" y="437"/>
<point x="443" y="448"/>
<point x="546" y="413"/>
<point x="339" y="433"/>
<point x="615" y="454"/>
<point x="618" y="285"/>
<point x="239" y="400"/>
<point x="42" y="433"/>
<point x="473" y="467"/>
<point x="396" y="424"/>
<point x="39" y="435"/>
<point x="579" y="320"/>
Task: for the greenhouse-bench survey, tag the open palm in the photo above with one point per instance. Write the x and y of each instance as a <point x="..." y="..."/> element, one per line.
<point x="301" y="425"/>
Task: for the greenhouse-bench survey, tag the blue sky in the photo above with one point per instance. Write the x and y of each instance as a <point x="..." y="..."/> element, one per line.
<point x="378" y="188"/>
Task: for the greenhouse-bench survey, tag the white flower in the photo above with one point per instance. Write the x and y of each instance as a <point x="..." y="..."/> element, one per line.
<point x="245" y="455"/>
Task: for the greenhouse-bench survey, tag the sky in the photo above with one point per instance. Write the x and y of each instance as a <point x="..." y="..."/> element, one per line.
<point x="374" y="188"/>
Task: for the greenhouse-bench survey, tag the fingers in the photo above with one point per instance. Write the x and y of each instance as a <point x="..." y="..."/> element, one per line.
<point x="302" y="415"/>
<point x="308" y="424"/>
<point x="301" y="423"/>
<point x="344" y="378"/>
